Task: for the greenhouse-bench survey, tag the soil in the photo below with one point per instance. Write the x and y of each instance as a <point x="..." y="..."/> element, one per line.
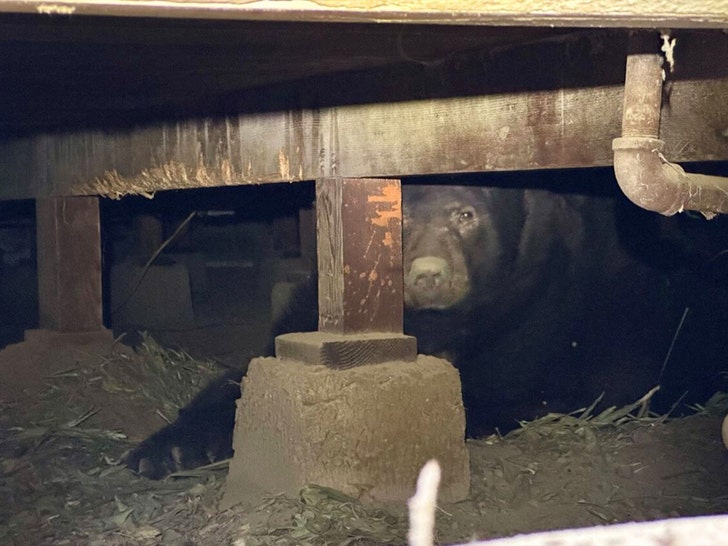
<point x="71" y="405"/>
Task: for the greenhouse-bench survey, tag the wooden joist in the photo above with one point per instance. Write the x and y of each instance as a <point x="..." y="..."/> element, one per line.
<point x="548" y="129"/>
<point x="615" y="13"/>
<point x="60" y="72"/>
<point x="547" y="105"/>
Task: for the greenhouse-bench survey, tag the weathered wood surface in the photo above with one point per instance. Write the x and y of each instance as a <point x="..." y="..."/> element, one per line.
<point x="359" y="227"/>
<point x="346" y="351"/>
<point x="60" y="73"/>
<point x="622" y="13"/>
<point x="550" y="105"/>
<point x="551" y="129"/>
<point x="69" y="264"/>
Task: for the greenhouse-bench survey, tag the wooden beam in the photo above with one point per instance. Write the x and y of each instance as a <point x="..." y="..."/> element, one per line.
<point x="615" y="13"/>
<point x="550" y="129"/>
<point x="554" y="105"/>
<point x="359" y="255"/>
<point x="58" y="70"/>
<point x="69" y="264"/>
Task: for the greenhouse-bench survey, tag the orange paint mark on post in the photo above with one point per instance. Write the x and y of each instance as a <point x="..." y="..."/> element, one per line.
<point x="390" y="208"/>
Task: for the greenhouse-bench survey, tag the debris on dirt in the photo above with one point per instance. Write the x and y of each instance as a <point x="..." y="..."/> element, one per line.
<point x="61" y="484"/>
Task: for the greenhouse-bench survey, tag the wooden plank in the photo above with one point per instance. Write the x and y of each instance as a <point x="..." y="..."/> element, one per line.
<point x="347" y="351"/>
<point x="618" y="13"/>
<point x="359" y="255"/>
<point x="472" y="114"/>
<point x="69" y="264"/>
<point x="550" y="129"/>
<point x="88" y="67"/>
<point x="59" y="88"/>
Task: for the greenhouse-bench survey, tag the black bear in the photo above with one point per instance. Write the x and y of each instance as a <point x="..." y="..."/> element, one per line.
<point x="528" y="293"/>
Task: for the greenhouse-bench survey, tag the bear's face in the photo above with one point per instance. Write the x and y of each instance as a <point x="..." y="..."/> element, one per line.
<point x="448" y="235"/>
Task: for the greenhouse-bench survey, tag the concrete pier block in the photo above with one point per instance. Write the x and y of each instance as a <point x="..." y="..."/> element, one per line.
<point x="365" y="431"/>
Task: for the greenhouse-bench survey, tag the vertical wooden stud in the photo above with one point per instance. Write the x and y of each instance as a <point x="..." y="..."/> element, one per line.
<point x="69" y="264"/>
<point x="359" y="255"/>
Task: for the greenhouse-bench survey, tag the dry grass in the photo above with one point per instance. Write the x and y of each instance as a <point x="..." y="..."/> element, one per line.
<point x="58" y="470"/>
<point x="152" y="375"/>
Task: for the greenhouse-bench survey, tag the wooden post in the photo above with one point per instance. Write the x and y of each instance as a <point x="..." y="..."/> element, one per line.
<point x="359" y="255"/>
<point x="359" y="232"/>
<point x="69" y="264"/>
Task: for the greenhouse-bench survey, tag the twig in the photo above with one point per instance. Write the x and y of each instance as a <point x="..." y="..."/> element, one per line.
<point x="81" y="418"/>
<point x="152" y="258"/>
<point x="674" y="339"/>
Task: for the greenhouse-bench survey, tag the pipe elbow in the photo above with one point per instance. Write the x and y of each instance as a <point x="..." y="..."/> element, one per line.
<point x="653" y="183"/>
<point x="638" y="169"/>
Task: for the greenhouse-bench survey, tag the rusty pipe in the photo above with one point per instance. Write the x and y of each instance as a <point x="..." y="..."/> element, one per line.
<point x="645" y="176"/>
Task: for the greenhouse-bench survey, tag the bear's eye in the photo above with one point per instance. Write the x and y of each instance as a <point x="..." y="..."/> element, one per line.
<point x="464" y="220"/>
<point x="466" y="215"/>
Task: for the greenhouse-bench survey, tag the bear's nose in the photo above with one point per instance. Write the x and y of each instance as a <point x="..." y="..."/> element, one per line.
<point x="428" y="273"/>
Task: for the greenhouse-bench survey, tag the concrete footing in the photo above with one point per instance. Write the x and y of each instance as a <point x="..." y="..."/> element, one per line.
<point x="365" y="430"/>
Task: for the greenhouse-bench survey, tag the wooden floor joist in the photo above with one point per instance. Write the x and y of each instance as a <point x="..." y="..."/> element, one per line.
<point x="547" y="105"/>
<point x="550" y="129"/>
<point x="621" y="13"/>
<point x="555" y="103"/>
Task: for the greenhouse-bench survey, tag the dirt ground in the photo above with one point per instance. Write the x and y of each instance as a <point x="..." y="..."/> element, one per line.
<point x="71" y="405"/>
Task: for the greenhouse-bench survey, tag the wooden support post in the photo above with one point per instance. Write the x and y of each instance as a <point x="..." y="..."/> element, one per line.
<point x="69" y="264"/>
<point x="359" y="255"/>
<point x="359" y="226"/>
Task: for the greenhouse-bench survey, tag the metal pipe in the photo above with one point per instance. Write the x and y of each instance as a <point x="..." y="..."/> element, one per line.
<point x="645" y="176"/>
